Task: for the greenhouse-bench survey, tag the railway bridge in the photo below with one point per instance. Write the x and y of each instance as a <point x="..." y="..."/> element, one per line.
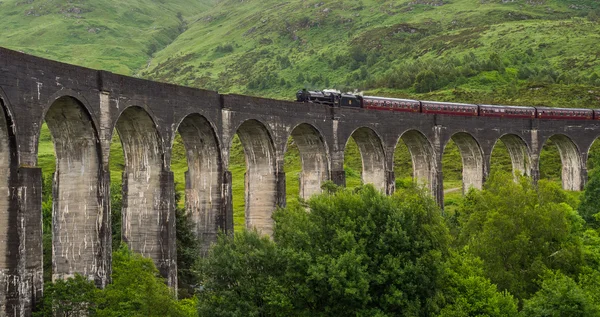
<point x="84" y="108"/>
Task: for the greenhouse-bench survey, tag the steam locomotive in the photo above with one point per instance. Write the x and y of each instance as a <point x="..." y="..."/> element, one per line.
<point x="337" y="99"/>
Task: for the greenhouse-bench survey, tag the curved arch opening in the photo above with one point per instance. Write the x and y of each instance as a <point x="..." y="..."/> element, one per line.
<point x="372" y="155"/>
<point x="593" y="156"/>
<point x="413" y="157"/>
<point x="471" y="155"/>
<point x="143" y="204"/>
<point x="76" y="210"/>
<point x="260" y="179"/>
<point x="203" y="179"/>
<point x="567" y="161"/>
<point x="306" y="162"/>
<point x="511" y="153"/>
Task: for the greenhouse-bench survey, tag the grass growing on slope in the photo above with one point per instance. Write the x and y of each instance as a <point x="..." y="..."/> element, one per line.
<point x="116" y="36"/>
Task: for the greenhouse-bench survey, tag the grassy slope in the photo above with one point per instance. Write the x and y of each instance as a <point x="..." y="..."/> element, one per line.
<point x="113" y="35"/>
<point x="262" y="47"/>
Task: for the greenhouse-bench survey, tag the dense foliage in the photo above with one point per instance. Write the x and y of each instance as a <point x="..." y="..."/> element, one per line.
<point x="136" y="290"/>
<point x="511" y="248"/>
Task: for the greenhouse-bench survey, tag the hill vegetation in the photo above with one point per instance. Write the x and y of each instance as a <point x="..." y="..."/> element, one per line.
<point x="516" y="52"/>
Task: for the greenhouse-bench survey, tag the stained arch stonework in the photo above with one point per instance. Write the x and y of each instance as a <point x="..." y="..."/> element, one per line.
<point x="8" y="220"/>
<point x="314" y="159"/>
<point x="519" y="153"/>
<point x="77" y="212"/>
<point x="203" y="201"/>
<point x="572" y="165"/>
<point x="261" y="175"/>
<point x="472" y="160"/>
<point x="422" y="157"/>
<point x="29" y="82"/>
<point x="372" y="155"/>
<point x="148" y="195"/>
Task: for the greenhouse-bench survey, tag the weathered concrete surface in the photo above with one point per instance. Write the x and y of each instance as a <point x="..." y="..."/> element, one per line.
<point x="261" y="177"/>
<point x="9" y="233"/>
<point x="76" y="214"/>
<point x="472" y="159"/>
<point x="519" y="154"/>
<point x="314" y="158"/>
<point x="571" y="162"/>
<point x="84" y="106"/>
<point x="26" y="286"/>
<point x="148" y="208"/>
<point x="203" y="197"/>
<point x="422" y="156"/>
<point x="373" y="157"/>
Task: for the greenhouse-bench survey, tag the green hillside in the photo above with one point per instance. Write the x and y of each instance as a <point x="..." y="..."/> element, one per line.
<point x="119" y="36"/>
<point x="518" y="52"/>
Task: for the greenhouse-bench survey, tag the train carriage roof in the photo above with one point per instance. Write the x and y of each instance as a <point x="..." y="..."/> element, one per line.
<point x="390" y="99"/>
<point x="563" y="109"/>
<point x="448" y="103"/>
<point x="507" y="107"/>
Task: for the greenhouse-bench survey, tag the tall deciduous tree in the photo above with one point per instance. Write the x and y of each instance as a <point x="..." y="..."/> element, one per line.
<point x="520" y="230"/>
<point x="559" y="296"/>
<point x="589" y="208"/>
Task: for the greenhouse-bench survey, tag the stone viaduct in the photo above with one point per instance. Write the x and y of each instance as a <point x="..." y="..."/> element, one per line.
<point x="83" y="108"/>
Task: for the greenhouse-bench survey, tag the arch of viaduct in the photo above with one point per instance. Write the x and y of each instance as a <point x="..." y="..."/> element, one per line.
<point x="84" y="108"/>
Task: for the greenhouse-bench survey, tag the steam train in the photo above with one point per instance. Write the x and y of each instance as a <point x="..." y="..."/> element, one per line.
<point x="336" y="99"/>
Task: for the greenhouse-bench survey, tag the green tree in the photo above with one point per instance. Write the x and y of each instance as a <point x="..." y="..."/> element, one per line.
<point x="468" y="293"/>
<point x="75" y="296"/>
<point x="355" y="253"/>
<point x="426" y="81"/>
<point x="137" y="289"/>
<point x="589" y="208"/>
<point x="366" y="253"/>
<point x="241" y="277"/>
<point x="519" y="231"/>
<point x="188" y="254"/>
<point x="558" y="296"/>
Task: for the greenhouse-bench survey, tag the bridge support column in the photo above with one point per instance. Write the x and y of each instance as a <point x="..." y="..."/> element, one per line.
<point x="390" y="182"/>
<point x="281" y="190"/>
<point x="104" y="270"/>
<point x="24" y="282"/>
<point x="535" y="176"/>
<point x="437" y="188"/>
<point x="167" y="265"/>
<point x="339" y="178"/>
<point x="584" y="176"/>
<point x="227" y="197"/>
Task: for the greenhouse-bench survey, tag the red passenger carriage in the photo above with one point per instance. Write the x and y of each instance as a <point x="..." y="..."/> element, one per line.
<point x="506" y="111"/>
<point x="460" y="109"/>
<point x="564" y="113"/>
<point x="391" y="104"/>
